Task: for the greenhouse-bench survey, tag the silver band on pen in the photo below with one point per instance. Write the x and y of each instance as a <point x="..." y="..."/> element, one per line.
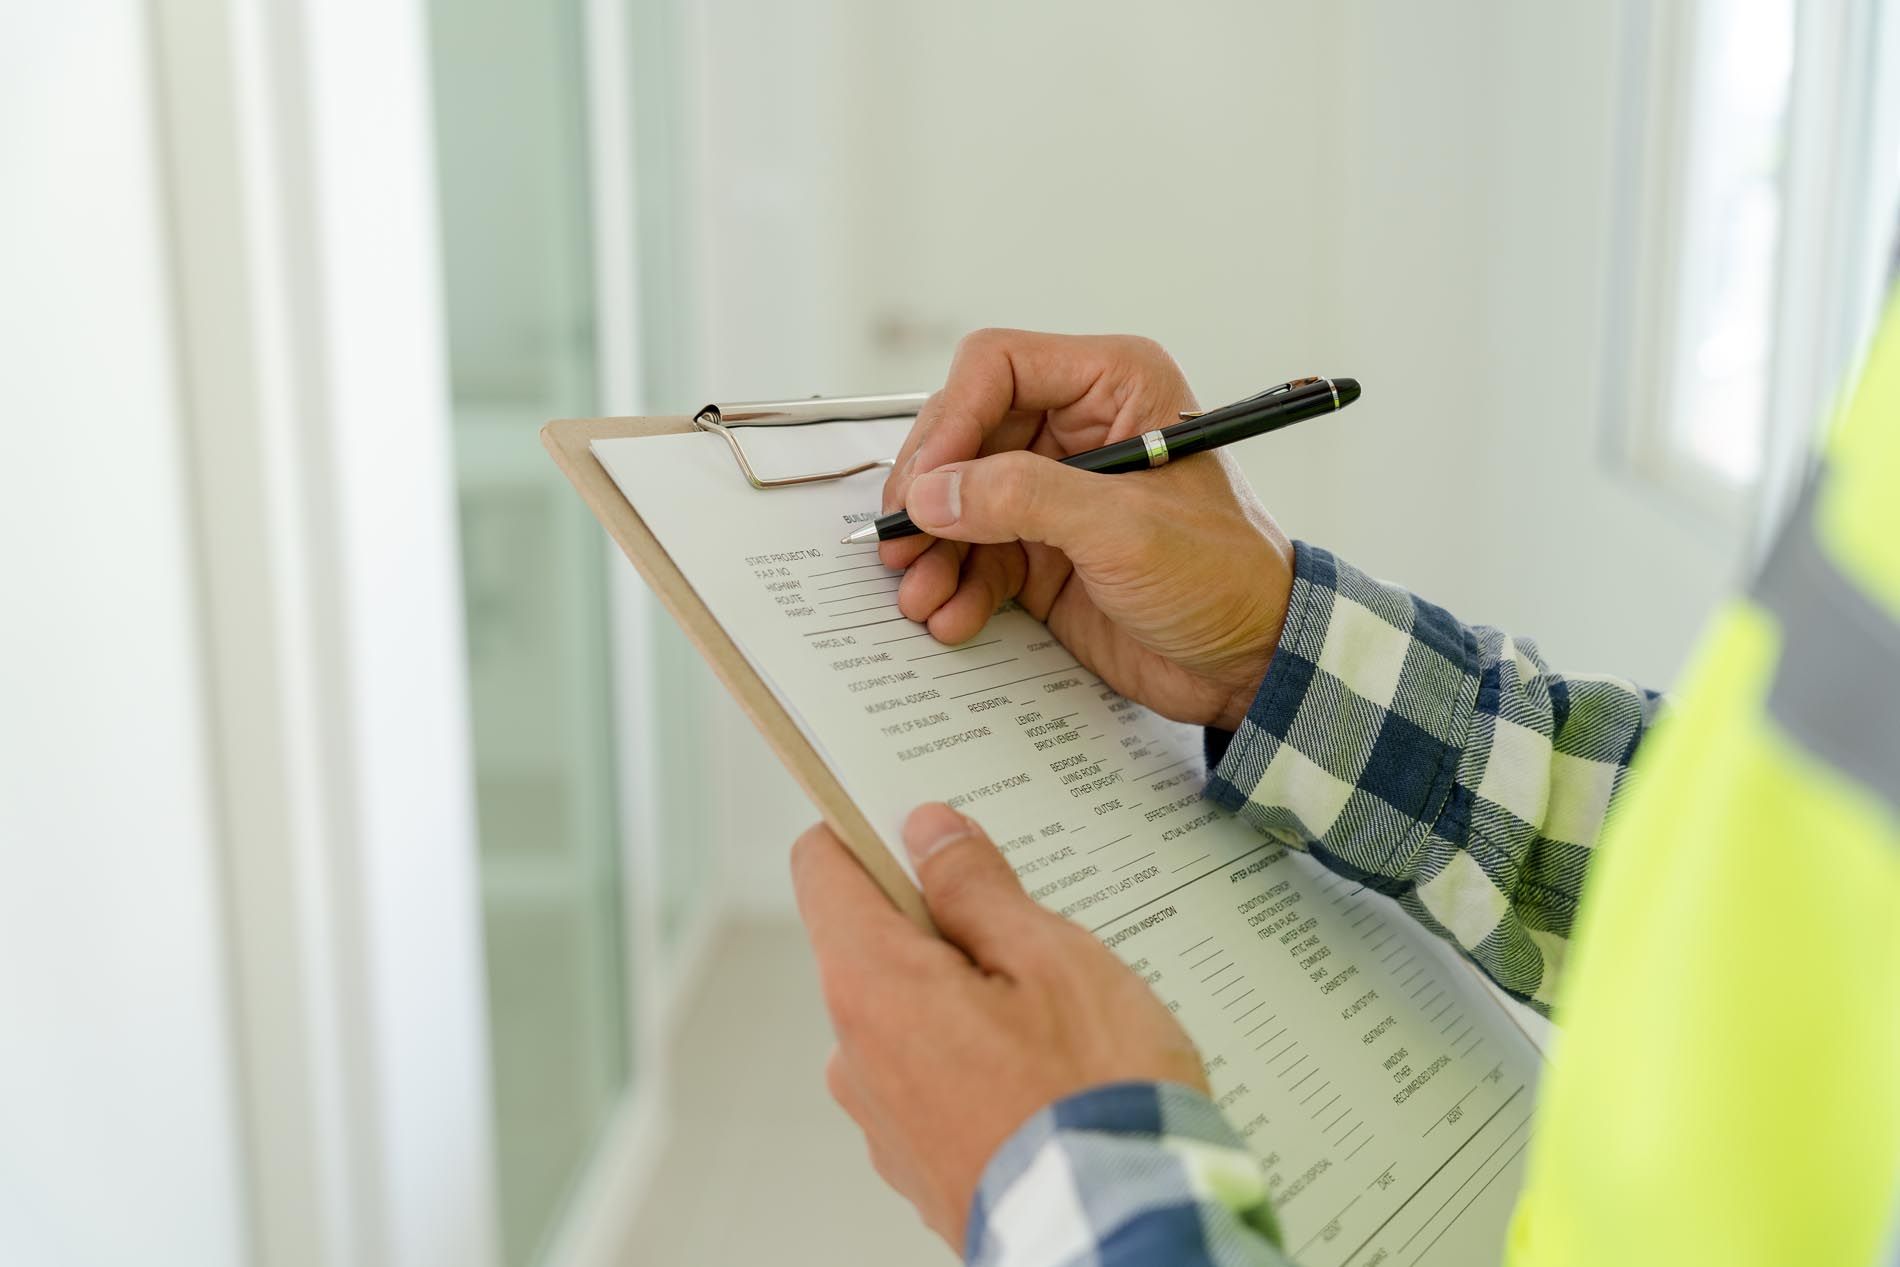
<point x="1157" y="447"/>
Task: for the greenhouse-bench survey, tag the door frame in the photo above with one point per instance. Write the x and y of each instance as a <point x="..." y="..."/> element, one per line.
<point x="299" y="176"/>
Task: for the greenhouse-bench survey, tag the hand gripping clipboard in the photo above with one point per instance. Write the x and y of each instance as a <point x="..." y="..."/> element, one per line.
<point x="569" y="442"/>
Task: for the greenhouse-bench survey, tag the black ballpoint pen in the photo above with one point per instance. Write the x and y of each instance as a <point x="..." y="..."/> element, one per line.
<point x="1269" y="410"/>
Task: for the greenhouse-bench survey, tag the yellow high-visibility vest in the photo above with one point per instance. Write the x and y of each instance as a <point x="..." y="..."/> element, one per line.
<point x="1726" y="1088"/>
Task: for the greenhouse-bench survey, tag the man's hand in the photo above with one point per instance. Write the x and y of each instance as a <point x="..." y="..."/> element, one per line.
<point x="946" y="1047"/>
<point x="1171" y="585"/>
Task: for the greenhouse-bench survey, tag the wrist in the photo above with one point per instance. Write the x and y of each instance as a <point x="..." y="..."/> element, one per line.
<point x="1243" y="678"/>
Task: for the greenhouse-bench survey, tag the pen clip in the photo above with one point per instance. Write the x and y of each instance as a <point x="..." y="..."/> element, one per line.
<point x="1276" y="390"/>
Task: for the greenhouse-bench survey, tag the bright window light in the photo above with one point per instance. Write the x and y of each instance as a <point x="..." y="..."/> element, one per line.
<point x="1729" y="237"/>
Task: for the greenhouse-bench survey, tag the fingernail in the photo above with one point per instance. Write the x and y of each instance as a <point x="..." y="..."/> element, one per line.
<point x="936" y="499"/>
<point x="920" y="854"/>
<point x="910" y="463"/>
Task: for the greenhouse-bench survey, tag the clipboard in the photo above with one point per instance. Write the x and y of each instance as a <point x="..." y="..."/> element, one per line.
<point x="569" y="442"/>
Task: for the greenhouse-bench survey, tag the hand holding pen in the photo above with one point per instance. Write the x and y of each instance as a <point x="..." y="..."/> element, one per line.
<point x="1171" y="585"/>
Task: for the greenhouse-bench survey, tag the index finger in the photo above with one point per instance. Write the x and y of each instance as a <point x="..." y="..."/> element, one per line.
<point x="847" y="917"/>
<point x="1000" y="375"/>
<point x="994" y="373"/>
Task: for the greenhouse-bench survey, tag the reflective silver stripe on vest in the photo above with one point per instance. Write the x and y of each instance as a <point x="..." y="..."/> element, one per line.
<point x="1837" y="689"/>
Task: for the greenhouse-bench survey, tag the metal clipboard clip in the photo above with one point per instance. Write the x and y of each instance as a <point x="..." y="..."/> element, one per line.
<point x="722" y="419"/>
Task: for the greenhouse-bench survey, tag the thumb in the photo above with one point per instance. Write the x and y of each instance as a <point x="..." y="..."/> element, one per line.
<point x="1020" y="496"/>
<point x="973" y="895"/>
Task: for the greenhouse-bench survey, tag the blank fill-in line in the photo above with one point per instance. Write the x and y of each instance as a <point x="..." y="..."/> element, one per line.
<point x="857" y="611"/>
<point x="1354" y="1153"/>
<point x="1310" y="1073"/>
<point x="1417" y="1232"/>
<point x="1416" y="974"/>
<point x="1467" y="1205"/>
<point x="861" y="594"/>
<point x="1296" y="1064"/>
<point x="1118" y="840"/>
<point x="1315" y="1091"/>
<point x="1336" y="1121"/>
<point x="975" y="668"/>
<point x="1132" y="861"/>
<point x="885" y="642"/>
<point x="1351" y="1131"/>
<point x="1250" y="1011"/>
<point x="1428" y="1178"/>
<point x="1032" y="677"/>
<point x="1422" y="989"/>
<point x="1196" y="862"/>
<point x="1242" y="856"/>
<point x="968" y="646"/>
<point x="1197" y="945"/>
<point x="862" y="580"/>
<point x="1262" y="1025"/>
<point x="1283" y="1051"/>
<point x="1229" y="966"/>
<point x="1449" y="1004"/>
<point x="1459" y="1037"/>
<point x="1370" y="912"/>
<point x="1237" y="998"/>
<point x="1322" y="1227"/>
<point x="1322" y="1108"/>
<point x="841" y="628"/>
<point x="1453" y="1021"/>
<point x="856" y="567"/>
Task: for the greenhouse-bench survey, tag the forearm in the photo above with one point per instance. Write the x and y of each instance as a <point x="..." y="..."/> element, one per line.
<point x="1129" y="1175"/>
<point x="1441" y="763"/>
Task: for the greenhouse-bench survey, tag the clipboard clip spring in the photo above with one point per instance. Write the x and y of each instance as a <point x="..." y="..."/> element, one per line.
<point x="723" y="419"/>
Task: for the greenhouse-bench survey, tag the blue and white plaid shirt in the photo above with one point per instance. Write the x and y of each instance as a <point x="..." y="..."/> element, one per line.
<point x="1441" y="763"/>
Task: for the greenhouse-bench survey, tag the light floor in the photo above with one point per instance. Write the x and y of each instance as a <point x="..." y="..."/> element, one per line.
<point x="762" y="1167"/>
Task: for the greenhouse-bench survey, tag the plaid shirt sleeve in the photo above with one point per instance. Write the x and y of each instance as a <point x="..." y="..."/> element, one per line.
<point x="1440" y="763"/>
<point x="1134" y="1173"/>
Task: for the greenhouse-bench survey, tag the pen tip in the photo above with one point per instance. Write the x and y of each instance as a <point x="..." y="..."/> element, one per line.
<point x="859" y="535"/>
<point x="845" y="540"/>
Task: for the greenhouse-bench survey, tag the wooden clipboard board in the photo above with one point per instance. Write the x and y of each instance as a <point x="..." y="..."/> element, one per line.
<point x="568" y="441"/>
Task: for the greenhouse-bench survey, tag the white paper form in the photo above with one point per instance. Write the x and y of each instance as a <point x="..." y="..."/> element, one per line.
<point x="1386" y="1093"/>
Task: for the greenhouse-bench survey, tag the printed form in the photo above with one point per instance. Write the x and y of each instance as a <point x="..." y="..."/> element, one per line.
<point x="1385" y="1091"/>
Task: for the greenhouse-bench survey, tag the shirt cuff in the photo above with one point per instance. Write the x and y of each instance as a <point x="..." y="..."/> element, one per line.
<point x="1350" y="748"/>
<point x="1131" y="1172"/>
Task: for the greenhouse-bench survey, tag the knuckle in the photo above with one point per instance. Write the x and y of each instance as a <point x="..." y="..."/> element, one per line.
<point x="949" y="883"/>
<point x="980" y="341"/>
<point x="837" y="1082"/>
<point x="1017" y="476"/>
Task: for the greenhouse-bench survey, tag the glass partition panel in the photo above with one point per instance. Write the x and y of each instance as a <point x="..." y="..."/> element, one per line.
<point x="511" y="142"/>
<point x="688" y="865"/>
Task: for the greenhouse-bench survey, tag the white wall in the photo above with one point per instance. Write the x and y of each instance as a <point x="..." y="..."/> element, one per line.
<point x="119" y="1143"/>
<point x="1471" y="270"/>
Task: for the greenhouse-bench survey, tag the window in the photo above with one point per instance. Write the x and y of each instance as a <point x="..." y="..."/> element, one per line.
<point x="1756" y="180"/>
<point x="1731" y="218"/>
